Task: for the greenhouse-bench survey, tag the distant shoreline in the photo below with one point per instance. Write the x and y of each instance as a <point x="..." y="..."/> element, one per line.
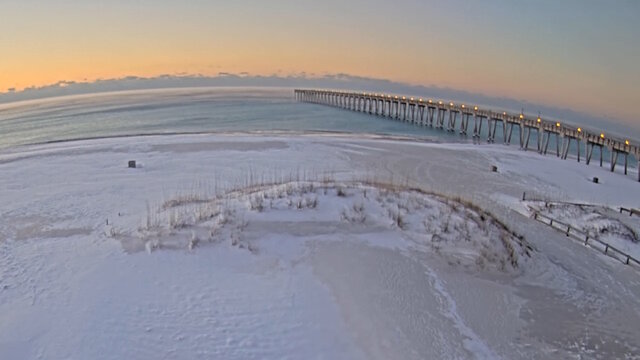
<point x="354" y="135"/>
<point x="235" y="132"/>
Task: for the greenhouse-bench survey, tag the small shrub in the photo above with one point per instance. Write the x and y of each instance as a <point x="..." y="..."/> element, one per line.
<point x="257" y="203"/>
<point x="193" y="241"/>
<point x="398" y="219"/>
<point x="114" y="232"/>
<point x="311" y="203"/>
<point x="252" y="248"/>
<point x="446" y="224"/>
<point x="358" y="207"/>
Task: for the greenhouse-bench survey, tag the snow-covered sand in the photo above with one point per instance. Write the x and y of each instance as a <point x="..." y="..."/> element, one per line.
<point x="277" y="246"/>
<point x="603" y="223"/>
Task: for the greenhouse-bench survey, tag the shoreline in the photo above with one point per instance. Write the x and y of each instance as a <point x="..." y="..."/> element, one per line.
<point x="278" y="133"/>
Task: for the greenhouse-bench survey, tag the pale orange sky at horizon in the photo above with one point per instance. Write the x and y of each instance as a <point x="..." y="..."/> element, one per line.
<point x="551" y="62"/>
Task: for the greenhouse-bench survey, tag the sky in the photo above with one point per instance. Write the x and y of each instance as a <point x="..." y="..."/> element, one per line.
<point x="577" y="54"/>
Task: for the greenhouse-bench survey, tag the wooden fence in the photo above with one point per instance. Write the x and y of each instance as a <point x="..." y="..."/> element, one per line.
<point x="630" y="211"/>
<point x="583" y="237"/>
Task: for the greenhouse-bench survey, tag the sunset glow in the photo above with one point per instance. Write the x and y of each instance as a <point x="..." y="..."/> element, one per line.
<point x="546" y="52"/>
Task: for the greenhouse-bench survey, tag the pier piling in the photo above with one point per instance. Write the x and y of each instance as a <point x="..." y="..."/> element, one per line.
<point x="444" y="116"/>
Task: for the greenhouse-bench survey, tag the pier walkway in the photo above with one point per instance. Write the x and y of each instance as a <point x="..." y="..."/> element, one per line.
<point x="469" y="120"/>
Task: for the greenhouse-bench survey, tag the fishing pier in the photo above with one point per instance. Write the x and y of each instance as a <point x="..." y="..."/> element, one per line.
<point x="470" y="120"/>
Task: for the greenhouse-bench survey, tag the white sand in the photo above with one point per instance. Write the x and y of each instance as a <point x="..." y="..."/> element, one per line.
<point x="300" y="281"/>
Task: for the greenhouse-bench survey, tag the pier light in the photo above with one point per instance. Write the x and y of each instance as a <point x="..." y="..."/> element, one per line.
<point x="462" y="106"/>
<point x="439" y="102"/>
<point x="396" y="96"/>
<point x="420" y="100"/>
<point x="504" y="113"/>
<point x="450" y="104"/>
<point x="601" y="135"/>
<point x="558" y="124"/>
<point x="404" y="98"/>
<point x="411" y="99"/>
<point x="626" y="142"/>
<point x="521" y="116"/>
<point x="539" y="120"/>
<point x="579" y="129"/>
<point x="475" y="108"/>
<point x="430" y="101"/>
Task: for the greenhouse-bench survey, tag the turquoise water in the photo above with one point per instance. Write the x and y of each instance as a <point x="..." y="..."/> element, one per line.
<point x="186" y="110"/>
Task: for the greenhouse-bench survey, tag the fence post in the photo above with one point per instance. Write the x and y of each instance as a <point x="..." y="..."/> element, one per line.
<point x="628" y="258"/>
<point x="606" y="248"/>
<point x="586" y="239"/>
<point x="568" y="229"/>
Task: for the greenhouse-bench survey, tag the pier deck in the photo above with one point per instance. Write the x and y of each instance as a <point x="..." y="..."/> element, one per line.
<point x="452" y="117"/>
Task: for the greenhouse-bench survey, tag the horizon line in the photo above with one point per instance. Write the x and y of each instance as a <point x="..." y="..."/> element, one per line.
<point x="337" y="81"/>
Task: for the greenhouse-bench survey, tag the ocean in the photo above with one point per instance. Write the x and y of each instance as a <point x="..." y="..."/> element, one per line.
<point x="200" y="110"/>
<point x="190" y="110"/>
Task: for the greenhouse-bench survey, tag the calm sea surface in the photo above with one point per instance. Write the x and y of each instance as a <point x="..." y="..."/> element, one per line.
<point x="197" y="110"/>
<point x="185" y="110"/>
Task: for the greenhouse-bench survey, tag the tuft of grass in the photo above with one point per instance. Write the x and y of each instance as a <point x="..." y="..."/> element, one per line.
<point x="193" y="241"/>
<point x="358" y="208"/>
<point x="447" y="223"/>
<point x="398" y="219"/>
<point x="188" y="210"/>
<point x="354" y="214"/>
<point x="114" y="232"/>
<point x="257" y="203"/>
<point x="311" y="202"/>
<point x="177" y="220"/>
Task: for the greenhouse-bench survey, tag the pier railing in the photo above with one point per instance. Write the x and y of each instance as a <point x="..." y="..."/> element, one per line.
<point x="469" y="119"/>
